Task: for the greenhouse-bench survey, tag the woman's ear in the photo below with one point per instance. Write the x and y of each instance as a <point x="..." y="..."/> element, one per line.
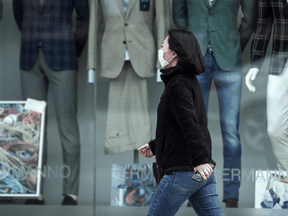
<point x="174" y="55"/>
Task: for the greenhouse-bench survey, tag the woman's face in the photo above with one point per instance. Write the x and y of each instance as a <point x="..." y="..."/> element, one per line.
<point x="168" y="55"/>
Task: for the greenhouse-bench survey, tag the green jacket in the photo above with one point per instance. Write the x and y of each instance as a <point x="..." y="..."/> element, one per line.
<point x="218" y="23"/>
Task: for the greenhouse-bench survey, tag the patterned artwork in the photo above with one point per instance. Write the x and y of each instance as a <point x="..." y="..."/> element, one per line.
<point x="271" y="190"/>
<point x="132" y="184"/>
<point x="20" y="133"/>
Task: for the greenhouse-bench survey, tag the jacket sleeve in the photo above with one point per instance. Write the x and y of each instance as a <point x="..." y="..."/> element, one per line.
<point x="180" y="14"/>
<point x="181" y="104"/>
<point x="248" y="22"/>
<point x="162" y="23"/>
<point x="262" y="34"/>
<point x="81" y="31"/>
<point x="152" y="146"/>
<point x="95" y="17"/>
<point x="18" y="13"/>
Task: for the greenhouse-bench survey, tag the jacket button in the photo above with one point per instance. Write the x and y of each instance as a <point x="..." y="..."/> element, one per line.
<point x="124" y="42"/>
<point x="126" y="24"/>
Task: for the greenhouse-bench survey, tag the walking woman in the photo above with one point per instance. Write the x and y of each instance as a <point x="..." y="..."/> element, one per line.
<point x="183" y="144"/>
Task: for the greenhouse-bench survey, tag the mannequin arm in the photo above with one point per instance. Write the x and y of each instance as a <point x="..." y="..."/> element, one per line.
<point x="262" y="34"/>
<point x="161" y="23"/>
<point x="95" y="18"/>
<point x="180" y="14"/>
<point x="248" y="22"/>
<point x="18" y="13"/>
<point x="81" y="31"/>
<point x="251" y="76"/>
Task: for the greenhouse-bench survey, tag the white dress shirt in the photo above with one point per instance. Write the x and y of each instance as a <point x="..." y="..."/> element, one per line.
<point x="125" y="4"/>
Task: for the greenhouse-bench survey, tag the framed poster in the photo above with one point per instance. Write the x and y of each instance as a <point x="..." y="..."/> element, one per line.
<point x="271" y="189"/>
<point x="21" y="146"/>
<point x="132" y="184"/>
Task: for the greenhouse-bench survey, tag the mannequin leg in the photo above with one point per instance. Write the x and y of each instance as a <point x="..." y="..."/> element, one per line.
<point x="277" y="116"/>
<point x="229" y="85"/>
<point x="64" y="88"/>
<point x="34" y="85"/>
<point x="128" y="120"/>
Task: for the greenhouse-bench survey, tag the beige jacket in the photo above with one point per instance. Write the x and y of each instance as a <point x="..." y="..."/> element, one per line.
<point x="134" y="31"/>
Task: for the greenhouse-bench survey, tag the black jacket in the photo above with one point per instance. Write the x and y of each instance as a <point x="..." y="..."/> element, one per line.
<point x="182" y="138"/>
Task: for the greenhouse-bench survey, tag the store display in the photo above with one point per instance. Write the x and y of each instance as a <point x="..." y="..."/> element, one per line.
<point x="21" y="140"/>
<point x="132" y="44"/>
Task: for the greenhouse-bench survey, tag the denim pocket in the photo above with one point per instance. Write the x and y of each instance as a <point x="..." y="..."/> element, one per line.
<point x="184" y="183"/>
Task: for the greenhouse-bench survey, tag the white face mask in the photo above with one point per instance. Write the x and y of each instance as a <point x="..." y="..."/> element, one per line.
<point x="162" y="61"/>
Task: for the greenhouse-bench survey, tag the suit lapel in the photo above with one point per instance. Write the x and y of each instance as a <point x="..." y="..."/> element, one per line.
<point x="45" y="4"/>
<point x="119" y="4"/>
<point x="40" y="6"/>
<point x="130" y="7"/>
<point x="214" y="3"/>
<point x="207" y="4"/>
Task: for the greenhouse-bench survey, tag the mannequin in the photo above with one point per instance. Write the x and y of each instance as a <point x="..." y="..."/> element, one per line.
<point x="278" y="73"/>
<point x="214" y="23"/>
<point x="48" y="58"/>
<point x="128" y="58"/>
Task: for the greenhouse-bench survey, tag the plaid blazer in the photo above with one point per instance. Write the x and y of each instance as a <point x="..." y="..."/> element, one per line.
<point x="51" y="25"/>
<point x="271" y="12"/>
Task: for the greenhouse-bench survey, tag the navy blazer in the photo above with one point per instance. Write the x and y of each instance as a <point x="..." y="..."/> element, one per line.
<point x="50" y="25"/>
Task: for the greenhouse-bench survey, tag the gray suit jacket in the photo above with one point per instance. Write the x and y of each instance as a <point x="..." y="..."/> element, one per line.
<point x="133" y="31"/>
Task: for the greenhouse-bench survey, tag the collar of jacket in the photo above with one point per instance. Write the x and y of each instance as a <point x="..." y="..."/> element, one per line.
<point x="170" y="73"/>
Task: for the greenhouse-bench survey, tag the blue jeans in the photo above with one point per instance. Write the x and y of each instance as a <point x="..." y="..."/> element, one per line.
<point x="228" y="85"/>
<point x="176" y="188"/>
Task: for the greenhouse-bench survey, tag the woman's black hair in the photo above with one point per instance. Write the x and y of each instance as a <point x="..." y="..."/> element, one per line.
<point x="189" y="55"/>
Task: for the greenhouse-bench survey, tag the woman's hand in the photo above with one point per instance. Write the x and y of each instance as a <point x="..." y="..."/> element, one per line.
<point x="205" y="170"/>
<point x="145" y="151"/>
